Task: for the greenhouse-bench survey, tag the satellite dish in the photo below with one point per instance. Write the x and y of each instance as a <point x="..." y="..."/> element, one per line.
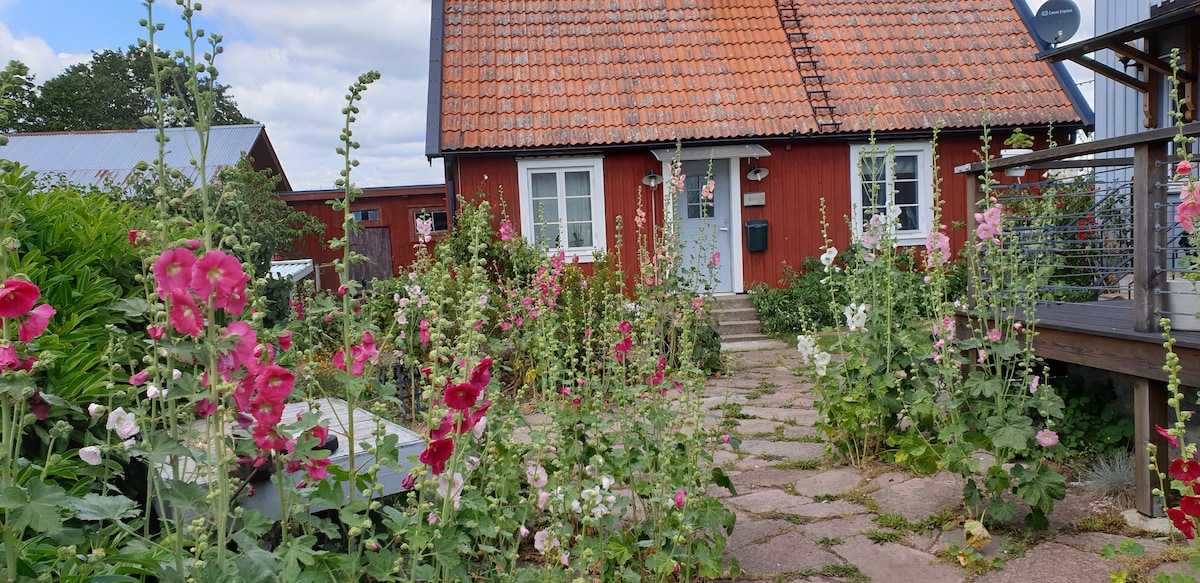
<point x="1056" y="21"/>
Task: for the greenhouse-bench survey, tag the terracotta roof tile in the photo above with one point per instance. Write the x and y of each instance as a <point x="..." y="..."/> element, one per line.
<point x="544" y="73"/>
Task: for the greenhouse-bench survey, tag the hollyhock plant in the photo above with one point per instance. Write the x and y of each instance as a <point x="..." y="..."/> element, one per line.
<point x="436" y="453"/>
<point x="185" y="315"/>
<point x="123" y="422"/>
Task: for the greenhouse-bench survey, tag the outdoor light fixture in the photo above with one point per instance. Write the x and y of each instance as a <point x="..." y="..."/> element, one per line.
<point x="652" y="179"/>
<point x="757" y="174"/>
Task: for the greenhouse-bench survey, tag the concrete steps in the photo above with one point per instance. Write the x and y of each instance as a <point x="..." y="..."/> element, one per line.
<point x="737" y="322"/>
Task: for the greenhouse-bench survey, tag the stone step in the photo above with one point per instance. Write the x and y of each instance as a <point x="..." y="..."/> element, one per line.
<point x="735" y="327"/>
<point x="734" y="314"/>
<point x="733" y="301"/>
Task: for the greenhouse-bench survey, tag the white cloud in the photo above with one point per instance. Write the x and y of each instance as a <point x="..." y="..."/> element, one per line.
<point x="42" y="60"/>
<point x="293" y="75"/>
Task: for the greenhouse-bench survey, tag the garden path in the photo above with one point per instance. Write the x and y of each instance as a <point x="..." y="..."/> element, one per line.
<point x="800" y="517"/>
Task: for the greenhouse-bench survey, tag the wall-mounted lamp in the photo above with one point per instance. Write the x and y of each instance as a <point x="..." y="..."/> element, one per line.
<point x="652" y="179"/>
<point x="757" y="174"/>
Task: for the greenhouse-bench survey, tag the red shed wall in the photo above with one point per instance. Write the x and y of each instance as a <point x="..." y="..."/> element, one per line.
<point x="396" y="207"/>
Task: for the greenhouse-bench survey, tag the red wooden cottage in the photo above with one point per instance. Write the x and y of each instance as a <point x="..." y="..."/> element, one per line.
<point x="570" y="107"/>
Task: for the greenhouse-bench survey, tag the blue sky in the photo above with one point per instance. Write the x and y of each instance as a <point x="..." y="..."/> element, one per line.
<point x="288" y="63"/>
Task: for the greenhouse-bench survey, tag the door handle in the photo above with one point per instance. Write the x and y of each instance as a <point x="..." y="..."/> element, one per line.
<point x="726" y="229"/>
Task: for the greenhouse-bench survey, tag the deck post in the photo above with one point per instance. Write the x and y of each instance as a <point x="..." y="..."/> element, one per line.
<point x="1150" y="409"/>
<point x="972" y="224"/>
<point x="1149" y="202"/>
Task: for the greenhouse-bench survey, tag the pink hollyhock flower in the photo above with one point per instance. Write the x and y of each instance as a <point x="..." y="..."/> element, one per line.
<point x="937" y="249"/>
<point x="436" y="453"/>
<point x="185" y="316"/>
<point x="95" y="410"/>
<point x="679" y="496"/>
<point x="481" y="375"/>
<point x="994" y="335"/>
<point x="1171" y="439"/>
<point x="543" y="541"/>
<point x="38" y="406"/>
<point x="1183" y="168"/>
<point x="173" y="271"/>
<point x="139" y="377"/>
<point x="155" y="332"/>
<point x="125" y="424"/>
<point x="1034" y="383"/>
<point x="424" y="329"/>
<point x="536" y="475"/>
<point x="204" y="408"/>
<point x="715" y="260"/>
<point x="988" y="228"/>
<point x="39" y="318"/>
<point x="506" y="231"/>
<point x="1189" y="207"/>
<point x="451" y="489"/>
<point x="1186" y="470"/>
<point x="319" y="433"/>
<point x="268" y="439"/>
<point x="408" y="482"/>
<point x="285" y="340"/>
<point x="461" y="396"/>
<point x="8" y="358"/>
<point x="1047" y="437"/>
<point x="139" y="238"/>
<point x="235" y="301"/>
<point x="542" y="498"/>
<point x="17" y="298"/>
<point x="90" y="454"/>
<point x="316" y="469"/>
<point x="193" y="244"/>
<point x="576" y="401"/>
<point x="216" y="273"/>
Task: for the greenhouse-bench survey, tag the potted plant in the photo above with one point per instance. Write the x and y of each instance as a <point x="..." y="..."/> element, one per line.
<point x="1018" y="143"/>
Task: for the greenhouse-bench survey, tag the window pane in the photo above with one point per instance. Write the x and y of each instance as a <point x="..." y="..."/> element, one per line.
<point x="544" y="185"/>
<point x="441" y="221"/>
<point x="906" y="193"/>
<point x="873" y="169"/>
<point x="579" y="235"/>
<point x="873" y="195"/>
<point x="579" y="209"/>
<point x="545" y="211"/>
<point x="546" y="236"/>
<point x="906" y="168"/>
<point x="578" y="183"/>
<point x="908" y="218"/>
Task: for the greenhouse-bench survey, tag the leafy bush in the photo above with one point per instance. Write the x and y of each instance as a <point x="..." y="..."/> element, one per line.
<point x="800" y="303"/>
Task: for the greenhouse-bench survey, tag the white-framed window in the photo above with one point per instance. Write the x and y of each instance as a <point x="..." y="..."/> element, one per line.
<point x="562" y="204"/>
<point x="896" y="175"/>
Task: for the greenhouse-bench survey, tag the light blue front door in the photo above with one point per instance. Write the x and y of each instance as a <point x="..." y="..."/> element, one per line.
<point x="704" y="223"/>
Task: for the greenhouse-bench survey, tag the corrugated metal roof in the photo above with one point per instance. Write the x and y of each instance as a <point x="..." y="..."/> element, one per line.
<point x="293" y="269"/>
<point x="96" y="157"/>
<point x="528" y="74"/>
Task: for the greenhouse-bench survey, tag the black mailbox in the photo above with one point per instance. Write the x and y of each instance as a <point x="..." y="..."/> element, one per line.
<point x="756" y="235"/>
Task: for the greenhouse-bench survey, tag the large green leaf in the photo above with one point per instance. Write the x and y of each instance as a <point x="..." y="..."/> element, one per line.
<point x="38" y="506"/>
<point x="1011" y="431"/>
<point x="1040" y="487"/>
<point x="97" y="507"/>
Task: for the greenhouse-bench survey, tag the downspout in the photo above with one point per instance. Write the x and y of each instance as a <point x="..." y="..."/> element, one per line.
<point x="433" y="105"/>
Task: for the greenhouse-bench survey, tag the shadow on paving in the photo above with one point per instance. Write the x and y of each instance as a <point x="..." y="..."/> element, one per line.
<point x="800" y="517"/>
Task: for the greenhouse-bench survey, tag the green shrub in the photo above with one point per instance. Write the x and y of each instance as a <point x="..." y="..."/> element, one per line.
<point x="800" y="303"/>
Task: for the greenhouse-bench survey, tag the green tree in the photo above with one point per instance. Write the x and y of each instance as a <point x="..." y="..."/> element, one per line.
<point x="113" y="91"/>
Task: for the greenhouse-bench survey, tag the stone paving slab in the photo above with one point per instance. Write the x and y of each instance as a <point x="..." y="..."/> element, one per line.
<point x="787" y="553"/>
<point x="783" y="450"/>
<point x="834" y="481"/>
<point x="918" y="498"/>
<point x="895" y="562"/>
<point x="798" y="415"/>
<point x="770" y="477"/>
<point x="1051" y="562"/>
<point x="842" y="528"/>
<point x="768" y="501"/>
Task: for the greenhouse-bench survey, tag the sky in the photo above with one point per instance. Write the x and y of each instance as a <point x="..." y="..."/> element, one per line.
<point x="288" y="63"/>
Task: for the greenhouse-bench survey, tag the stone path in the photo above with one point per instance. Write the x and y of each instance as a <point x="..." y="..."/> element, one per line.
<point x="802" y="518"/>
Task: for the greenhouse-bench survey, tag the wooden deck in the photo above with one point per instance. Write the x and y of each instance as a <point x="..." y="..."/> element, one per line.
<point x="1101" y="335"/>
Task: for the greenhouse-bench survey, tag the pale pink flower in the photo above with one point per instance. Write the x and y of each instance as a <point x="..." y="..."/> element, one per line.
<point x="451" y="489"/>
<point x="1033" y="384"/>
<point x="994" y="335"/>
<point x="96" y="410"/>
<point x="1047" y="438"/>
<point x="125" y="424"/>
<point x="937" y="249"/>
<point x="542" y="498"/>
<point x="543" y="541"/>
<point x="989" y="223"/>
<point x="424" y="229"/>
<point x="536" y="475"/>
<point x="90" y="455"/>
<point x="431" y="519"/>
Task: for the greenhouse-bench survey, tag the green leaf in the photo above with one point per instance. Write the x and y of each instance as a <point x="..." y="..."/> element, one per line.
<point x="113" y="508"/>
<point x="1040" y="487"/>
<point x="39" y="507"/>
<point x="720" y="478"/>
<point x="1012" y="432"/>
<point x="130" y="307"/>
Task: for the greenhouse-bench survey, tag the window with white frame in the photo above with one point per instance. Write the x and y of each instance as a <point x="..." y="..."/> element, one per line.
<point x="562" y="204"/>
<point x="898" y="176"/>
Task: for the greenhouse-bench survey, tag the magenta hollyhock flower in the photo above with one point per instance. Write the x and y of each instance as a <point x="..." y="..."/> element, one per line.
<point x="445" y="426"/>
<point x="268" y="439"/>
<point x="216" y="273"/>
<point x="233" y="302"/>
<point x="285" y="340"/>
<point x="155" y="332"/>
<point x="436" y="453"/>
<point x="8" y="358"/>
<point x="17" y="298"/>
<point x="139" y="238"/>
<point x="1185" y="470"/>
<point x="39" y="318"/>
<point x="173" y="271"/>
<point x="1047" y="437"/>
<point x="38" y="406"/>
<point x="363" y="352"/>
<point x="1182" y="521"/>
<point x="679" y="496"/>
<point x="462" y="396"/>
<point x="481" y="375"/>
<point x="316" y="468"/>
<point x="139" y="377"/>
<point x="275" y="383"/>
<point x="625" y="327"/>
<point x="185" y="316"/>
<point x="204" y="408"/>
<point x="424" y="330"/>
<point x="408" y="482"/>
<point x="244" y="340"/>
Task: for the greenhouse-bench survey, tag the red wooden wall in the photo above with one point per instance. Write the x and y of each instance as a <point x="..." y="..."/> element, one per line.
<point x="396" y="205"/>
<point x="801" y="173"/>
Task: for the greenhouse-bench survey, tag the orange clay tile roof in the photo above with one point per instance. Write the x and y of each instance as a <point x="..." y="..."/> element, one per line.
<point x="546" y="73"/>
